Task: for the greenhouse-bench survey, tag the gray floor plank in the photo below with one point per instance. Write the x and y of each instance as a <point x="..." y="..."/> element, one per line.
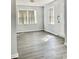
<point x="40" y="45"/>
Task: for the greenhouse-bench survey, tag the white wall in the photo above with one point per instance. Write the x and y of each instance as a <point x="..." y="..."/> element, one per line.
<point x="13" y="30"/>
<point x="33" y="27"/>
<point x="58" y="9"/>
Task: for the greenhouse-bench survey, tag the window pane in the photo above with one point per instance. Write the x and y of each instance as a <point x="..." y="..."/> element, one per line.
<point x="21" y="18"/>
<point x="51" y="15"/>
<point x="31" y="17"/>
<point x="27" y="17"/>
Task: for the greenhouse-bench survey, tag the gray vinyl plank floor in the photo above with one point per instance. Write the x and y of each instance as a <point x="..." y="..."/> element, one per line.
<point x="40" y="45"/>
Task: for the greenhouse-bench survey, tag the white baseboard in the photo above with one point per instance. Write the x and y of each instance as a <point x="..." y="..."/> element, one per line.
<point x="15" y="55"/>
<point x="54" y="34"/>
<point x="29" y="30"/>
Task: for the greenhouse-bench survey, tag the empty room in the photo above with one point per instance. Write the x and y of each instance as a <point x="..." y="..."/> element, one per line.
<point x="38" y="29"/>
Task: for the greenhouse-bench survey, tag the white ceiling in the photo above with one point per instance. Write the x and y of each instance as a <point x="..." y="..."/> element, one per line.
<point x="35" y="3"/>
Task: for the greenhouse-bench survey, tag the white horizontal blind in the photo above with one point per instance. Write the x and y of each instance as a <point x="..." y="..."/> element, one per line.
<point x="27" y="17"/>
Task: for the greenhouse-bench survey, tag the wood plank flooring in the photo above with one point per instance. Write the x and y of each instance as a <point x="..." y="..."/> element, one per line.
<point x="40" y="45"/>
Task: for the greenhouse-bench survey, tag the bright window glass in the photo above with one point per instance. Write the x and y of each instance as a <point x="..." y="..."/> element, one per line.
<point x="51" y="16"/>
<point x="27" y="17"/>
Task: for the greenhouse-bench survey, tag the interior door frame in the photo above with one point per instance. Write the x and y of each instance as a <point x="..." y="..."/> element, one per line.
<point x="65" y="17"/>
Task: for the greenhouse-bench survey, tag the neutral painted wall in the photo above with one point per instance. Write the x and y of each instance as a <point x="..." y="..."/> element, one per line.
<point x="13" y="30"/>
<point x="58" y="10"/>
<point x="31" y="27"/>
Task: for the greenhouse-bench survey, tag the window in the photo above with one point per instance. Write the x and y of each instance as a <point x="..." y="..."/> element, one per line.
<point x="27" y="17"/>
<point x="51" y="16"/>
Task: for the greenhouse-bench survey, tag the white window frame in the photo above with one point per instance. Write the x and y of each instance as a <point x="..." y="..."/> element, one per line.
<point x="49" y="15"/>
<point x="35" y="16"/>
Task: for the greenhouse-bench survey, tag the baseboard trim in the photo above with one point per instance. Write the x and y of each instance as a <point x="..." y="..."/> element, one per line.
<point x="54" y="34"/>
<point x="30" y="31"/>
<point x="16" y="55"/>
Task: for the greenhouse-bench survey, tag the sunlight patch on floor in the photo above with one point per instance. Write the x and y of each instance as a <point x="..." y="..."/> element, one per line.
<point x="48" y="37"/>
